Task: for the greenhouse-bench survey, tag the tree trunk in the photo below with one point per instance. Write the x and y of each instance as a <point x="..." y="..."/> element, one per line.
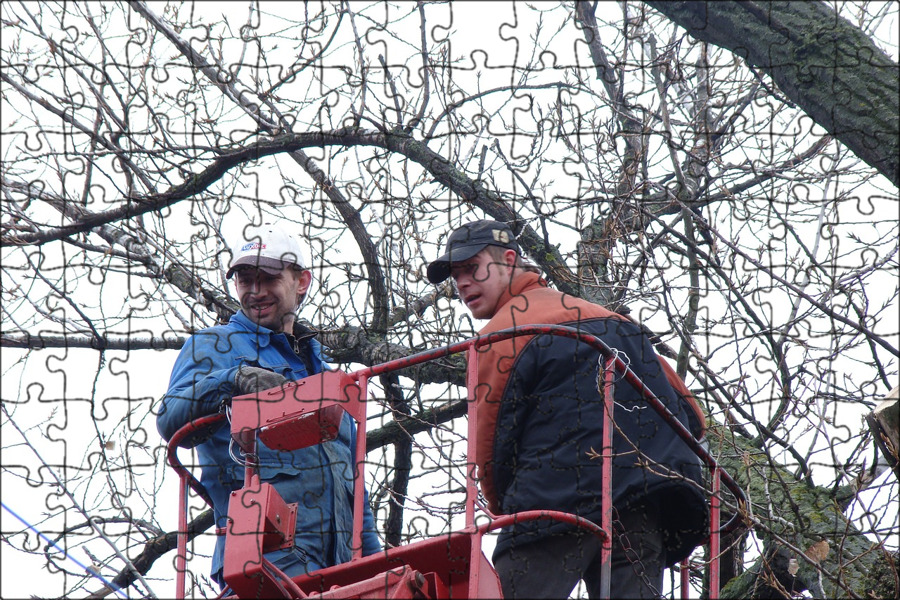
<point x="821" y="62"/>
<point x="808" y="543"/>
<point x="884" y="423"/>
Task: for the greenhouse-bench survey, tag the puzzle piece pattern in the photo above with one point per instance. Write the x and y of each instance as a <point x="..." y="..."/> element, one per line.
<point x="451" y="112"/>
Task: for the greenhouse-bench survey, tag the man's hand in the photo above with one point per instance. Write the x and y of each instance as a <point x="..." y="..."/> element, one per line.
<point x="251" y="380"/>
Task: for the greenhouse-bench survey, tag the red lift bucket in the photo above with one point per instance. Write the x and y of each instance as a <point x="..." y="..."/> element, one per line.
<point x="308" y="412"/>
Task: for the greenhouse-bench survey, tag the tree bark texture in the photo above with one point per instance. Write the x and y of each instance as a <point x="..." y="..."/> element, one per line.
<point x="808" y="543"/>
<point x="821" y="62"/>
<point x="884" y="423"/>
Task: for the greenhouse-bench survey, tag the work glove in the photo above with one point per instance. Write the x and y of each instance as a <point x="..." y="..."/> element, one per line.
<point x="252" y="380"/>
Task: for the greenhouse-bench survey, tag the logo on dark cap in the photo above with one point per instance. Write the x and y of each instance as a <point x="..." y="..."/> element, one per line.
<point x="468" y="240"/>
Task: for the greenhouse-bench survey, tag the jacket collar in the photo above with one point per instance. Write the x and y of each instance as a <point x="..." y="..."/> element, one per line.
<point x="524" y="281"/>
<point x="263" y="334"/>
<point x="301" y="331"/>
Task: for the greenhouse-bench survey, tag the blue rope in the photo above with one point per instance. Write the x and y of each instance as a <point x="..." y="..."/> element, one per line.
<point x="73" y="559"/>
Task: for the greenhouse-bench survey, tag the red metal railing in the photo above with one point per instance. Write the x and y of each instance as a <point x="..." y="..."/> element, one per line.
<point x="613" y="367"/>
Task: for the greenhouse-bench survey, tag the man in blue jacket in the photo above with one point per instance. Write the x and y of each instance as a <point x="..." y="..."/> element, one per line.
<point x="263" y="347"/>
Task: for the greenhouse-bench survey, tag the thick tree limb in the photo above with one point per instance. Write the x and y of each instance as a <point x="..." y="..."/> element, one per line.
<point x="352" y="345"/>
<point x="823" y="63"/>
<point x="795" y="521"/>
<point x="413" y="424"/>
<point x="884" y="423"/>
<point x="154" y="549"/>
<point x="346" y="345"/>
<point x="440" y="168"/>
<point x="125" y="342"/>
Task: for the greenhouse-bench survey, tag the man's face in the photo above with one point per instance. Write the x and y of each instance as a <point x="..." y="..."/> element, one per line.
<point x="481" y="281"/>
<point x="271" y="300"/>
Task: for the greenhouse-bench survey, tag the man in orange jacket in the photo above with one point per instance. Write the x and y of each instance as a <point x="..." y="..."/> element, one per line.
<point x="539" y="420"/>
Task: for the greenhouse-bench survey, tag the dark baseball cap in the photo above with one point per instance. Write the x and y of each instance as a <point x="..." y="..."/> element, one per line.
<point x="467" y="241"/>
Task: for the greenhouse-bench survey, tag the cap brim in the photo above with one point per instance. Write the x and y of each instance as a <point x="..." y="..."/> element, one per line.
<point x="439" y="269"/>
<point x="263" y="263"/>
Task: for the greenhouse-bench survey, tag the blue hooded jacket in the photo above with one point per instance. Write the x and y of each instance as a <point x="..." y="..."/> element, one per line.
<point x="319" y="478"/>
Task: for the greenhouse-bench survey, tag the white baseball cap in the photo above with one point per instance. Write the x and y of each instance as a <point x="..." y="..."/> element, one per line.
<point x="269" y="248"/>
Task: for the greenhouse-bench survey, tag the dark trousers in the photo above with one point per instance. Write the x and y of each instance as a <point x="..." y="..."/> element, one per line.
<point x="551" y="567"/>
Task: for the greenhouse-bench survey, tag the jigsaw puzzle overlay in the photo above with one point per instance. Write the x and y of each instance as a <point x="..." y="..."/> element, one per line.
<point x="705" y="194"/>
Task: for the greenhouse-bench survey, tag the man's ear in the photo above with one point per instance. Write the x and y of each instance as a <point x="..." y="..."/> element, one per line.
<point x="303" y="281"/>
<point x="509" y="257"/>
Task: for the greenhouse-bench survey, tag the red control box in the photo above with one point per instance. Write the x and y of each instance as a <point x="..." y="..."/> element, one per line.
<point x="298" y="415"/>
